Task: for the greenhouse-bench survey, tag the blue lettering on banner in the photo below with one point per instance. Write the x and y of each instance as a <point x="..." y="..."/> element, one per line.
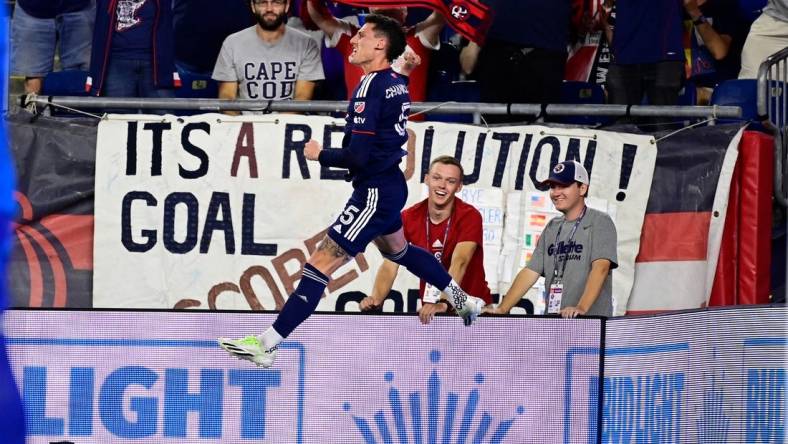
<point x="491" y="215"/>
<point x="140" y="416"/>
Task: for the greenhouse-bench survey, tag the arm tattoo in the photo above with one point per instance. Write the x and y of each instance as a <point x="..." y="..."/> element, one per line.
<point x="332" y="247"/>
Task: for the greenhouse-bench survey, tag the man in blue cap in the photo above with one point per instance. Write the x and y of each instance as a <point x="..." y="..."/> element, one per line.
<point x="575" y="253"/>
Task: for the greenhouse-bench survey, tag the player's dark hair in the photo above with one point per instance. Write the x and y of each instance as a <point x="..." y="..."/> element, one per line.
<point x="449" y="160"/>
<point x="393" y="32"/>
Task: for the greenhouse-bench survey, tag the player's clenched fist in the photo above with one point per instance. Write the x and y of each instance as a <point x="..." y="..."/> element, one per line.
<point x="312" y="149"/>
<point x="407" y="62"/>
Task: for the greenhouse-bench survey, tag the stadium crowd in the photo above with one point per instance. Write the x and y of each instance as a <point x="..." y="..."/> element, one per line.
<point x="661" y="52"/>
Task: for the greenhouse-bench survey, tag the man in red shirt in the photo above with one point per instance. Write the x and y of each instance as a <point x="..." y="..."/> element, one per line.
<point x="449" y="228"/>
<point x="421" y="40"/>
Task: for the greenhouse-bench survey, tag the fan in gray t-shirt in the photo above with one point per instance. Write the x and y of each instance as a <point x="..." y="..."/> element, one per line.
<point x="268" y="71"/>
<point x="595" y="238"/>
<point x="577" y="249"/>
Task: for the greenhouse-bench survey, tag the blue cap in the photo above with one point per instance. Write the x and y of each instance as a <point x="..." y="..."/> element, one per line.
<point x="568" y="172"/>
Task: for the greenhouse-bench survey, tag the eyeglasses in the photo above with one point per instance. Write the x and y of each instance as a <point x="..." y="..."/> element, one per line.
<point x="269" y="2"/>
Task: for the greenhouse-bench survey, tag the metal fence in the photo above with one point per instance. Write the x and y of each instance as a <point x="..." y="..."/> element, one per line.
<point x="318" y="106"/>
<point x="773" y="106"/>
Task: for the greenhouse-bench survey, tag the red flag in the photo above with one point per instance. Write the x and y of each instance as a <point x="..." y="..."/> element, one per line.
<point x="471" y="18"/>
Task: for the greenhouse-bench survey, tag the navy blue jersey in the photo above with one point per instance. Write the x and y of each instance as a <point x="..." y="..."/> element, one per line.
<point x="374" y="128"/>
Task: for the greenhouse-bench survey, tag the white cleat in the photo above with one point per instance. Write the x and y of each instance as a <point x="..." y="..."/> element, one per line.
<point x="471" y="310"/>
<point x="249" y="348"/>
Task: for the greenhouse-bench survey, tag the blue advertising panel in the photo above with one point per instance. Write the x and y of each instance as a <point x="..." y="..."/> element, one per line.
<point x="126" y="377"/>
<point x="698" y="377"/>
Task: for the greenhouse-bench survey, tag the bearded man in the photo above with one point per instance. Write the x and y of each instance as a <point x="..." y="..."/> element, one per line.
<point x="270" y="60"/>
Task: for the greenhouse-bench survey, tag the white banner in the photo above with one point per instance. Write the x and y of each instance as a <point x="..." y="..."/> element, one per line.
<point x="220" y="212"/>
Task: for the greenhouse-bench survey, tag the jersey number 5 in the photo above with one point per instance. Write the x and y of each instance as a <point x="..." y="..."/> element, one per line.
<point x="403" y="118"/>
<point x="348" y="215"/>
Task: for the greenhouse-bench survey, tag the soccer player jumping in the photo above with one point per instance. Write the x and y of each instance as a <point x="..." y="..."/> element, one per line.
<point x="372" y="150"/>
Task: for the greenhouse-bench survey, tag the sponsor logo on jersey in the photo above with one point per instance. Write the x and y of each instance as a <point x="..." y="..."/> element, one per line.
<point x="359" y="120"/>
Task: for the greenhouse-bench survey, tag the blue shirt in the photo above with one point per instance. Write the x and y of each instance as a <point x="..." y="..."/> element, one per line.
<point x="374" y="127"/>
<point x="648" y="31"/>
<point x="132" y="36"/>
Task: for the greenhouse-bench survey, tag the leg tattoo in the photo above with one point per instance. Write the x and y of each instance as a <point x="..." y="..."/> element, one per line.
<point x="328" y="244"/>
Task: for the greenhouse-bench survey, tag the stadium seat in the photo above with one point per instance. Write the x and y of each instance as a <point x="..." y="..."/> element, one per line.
<point x="574" y="92"/>
<point x="447" y="90"/>
<point x="688" y="96"/>
<point x="65" y="83"/>
<point x="444" y="84"/>
<point x="196" y="86"/>
<point x="744" y="93"/>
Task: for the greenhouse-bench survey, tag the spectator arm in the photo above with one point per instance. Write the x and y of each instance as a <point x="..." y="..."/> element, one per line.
<point x="304" y="89"/>
<point x="524" y="280"/>
<point x="229" y="91"/>
<point x="431" y="27"/>
<point x="384" y="280"/>
<point x="600" y="268"/>
<point x="460" y="259"/>
<point x="717" y="44"/>
<point x="319" y="13"/>
<point x="468" y="58"/>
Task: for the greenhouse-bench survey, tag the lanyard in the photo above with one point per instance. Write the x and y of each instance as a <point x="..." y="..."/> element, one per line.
<point x="571" y="236"/>
<point x="445" y="234"/>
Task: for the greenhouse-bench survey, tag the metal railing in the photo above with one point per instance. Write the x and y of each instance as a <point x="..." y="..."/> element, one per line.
<point x="772" y="105"/>
<point x="217" y="105"/>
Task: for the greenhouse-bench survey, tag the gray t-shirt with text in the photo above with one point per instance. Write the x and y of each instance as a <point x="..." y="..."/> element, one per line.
<point x="267" y="71"/>
<point x="595" y="238"/>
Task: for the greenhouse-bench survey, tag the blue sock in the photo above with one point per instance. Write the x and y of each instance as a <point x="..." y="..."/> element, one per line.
<point x="423" y="264"/>
<point x="303" y="302"/>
